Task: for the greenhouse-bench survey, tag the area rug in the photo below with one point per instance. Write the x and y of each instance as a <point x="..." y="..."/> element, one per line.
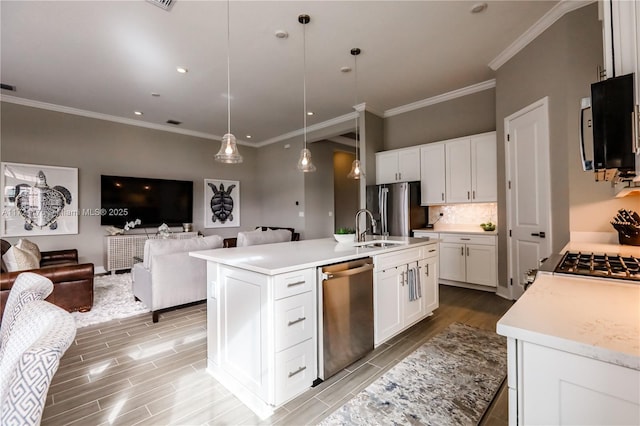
<point x="112" y="299"/>
<point x="450" y="380"/>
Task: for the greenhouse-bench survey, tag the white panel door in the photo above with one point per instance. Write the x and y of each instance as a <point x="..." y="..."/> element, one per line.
<point x="386" y="167"/>
<point x="409" y="165"/>
<point x="528" y="191"/>
<point x="388" y="309"/>
<point x="452" y="262"/>
<point x="432" y="174"/>
<point x="481" y="264"/>
<point x="484" y="166"/>
<point x="458" y="182"/>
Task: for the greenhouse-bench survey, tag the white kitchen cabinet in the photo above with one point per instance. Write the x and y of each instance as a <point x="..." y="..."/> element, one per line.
<point x="432" y="174"/>
<point x="468" y="259"/>
<point x="399" y="165"/>
<point x="393" y="311"/>
<point x="471" y="169"/>
<point x="573" y="390"/>
<point x="625" y="29"/>
<point x="262" y="333"/>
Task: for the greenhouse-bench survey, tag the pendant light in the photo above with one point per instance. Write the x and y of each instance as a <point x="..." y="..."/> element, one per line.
<point x="304" y="163"/>
<point x="356" y="172"/>
<point x="228" y="152"/>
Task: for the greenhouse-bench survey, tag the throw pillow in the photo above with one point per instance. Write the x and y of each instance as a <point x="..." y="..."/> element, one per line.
<point x="31" y="247"/>
<point x="17" y="259"/>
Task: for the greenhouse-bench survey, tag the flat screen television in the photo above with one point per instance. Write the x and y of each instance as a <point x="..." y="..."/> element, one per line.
<point x="612" y="108"/>
<point x="153" y="201"/>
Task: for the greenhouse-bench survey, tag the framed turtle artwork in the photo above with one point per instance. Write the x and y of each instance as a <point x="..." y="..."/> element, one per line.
<point x="38" y="200"/>
<point x="221" y="203"/>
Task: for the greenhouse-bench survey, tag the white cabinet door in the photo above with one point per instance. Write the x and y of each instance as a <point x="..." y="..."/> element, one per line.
<point x="413" y="310"/>
<point x="243" y="312"/>
<point x="564" y="394"/>
<point x="409" y="165"/>
<point x="432" y="174"/>
<point x="388" y="309"/>
<point x="481" y="264"/>
<point x="458" y="168"/>
<point x="452" y="261"/>
<point x="484" y="168"/>
<point x="429" y="282"/>
<point x="386" y="167"/>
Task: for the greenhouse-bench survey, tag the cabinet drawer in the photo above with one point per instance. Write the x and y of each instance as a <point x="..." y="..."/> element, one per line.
<point x="293" y="283"/>
<point x="429" y="251"/>
<point x="390" y="260"/>
<point x="295" y="371"/>
<point x="488" y="240"/>
<point x="423" y="234"/>
<point x="293" y="320"/>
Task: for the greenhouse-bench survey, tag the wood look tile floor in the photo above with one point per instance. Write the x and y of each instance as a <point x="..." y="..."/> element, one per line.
<point x="135" y="372"/>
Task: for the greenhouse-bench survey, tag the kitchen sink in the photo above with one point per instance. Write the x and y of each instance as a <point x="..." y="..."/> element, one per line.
<point x="380" y="243"/>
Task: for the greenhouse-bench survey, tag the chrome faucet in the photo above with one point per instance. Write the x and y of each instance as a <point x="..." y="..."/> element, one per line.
<point x="361" y="236"/>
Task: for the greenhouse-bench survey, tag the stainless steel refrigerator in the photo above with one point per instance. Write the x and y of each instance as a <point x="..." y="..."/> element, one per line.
<point x="396" y="208"/>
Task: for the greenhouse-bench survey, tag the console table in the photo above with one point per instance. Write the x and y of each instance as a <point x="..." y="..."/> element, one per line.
<point x="120" y="250"/>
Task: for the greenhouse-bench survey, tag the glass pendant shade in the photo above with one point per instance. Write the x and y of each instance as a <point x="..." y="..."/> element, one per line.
<point x="228" y="150"/>
<point x="356" y="172"/>
<point x="304" y="163"/>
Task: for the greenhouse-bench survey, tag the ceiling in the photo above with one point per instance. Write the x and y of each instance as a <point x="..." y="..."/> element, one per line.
<point x="108" y="57"/>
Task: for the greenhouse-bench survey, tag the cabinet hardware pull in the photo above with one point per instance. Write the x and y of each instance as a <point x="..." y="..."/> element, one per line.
<point x="467" y="251"/>
<point x="399" y="175"/>
<point x="468" y="196"/>
<point x="461" y="251"/>
<point x="297" y="321"/>
<point x="432" y="250"/>
<point x="296" y="283"/>
<point x="402" y="278"/>
<point x="473" y="193"/>
<point x="427" y="269"/>
<point x="443" y="196"/>
<point x="299" y="370"/>
<point x="465" y="239"/>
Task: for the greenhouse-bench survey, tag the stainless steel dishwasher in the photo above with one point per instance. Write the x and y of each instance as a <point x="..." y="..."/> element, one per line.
<point x="346" y="324"/>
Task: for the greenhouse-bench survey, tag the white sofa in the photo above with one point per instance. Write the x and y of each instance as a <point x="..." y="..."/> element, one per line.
<point x="168" y="276"/>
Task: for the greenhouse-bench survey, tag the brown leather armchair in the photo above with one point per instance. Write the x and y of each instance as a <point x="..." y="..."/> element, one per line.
<point x="72" y="282"/>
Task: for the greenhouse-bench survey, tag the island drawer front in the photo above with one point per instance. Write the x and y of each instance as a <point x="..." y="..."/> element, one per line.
<point x="390" y="260"/>
<point x="488" y="240"/>
<point x="295" y="371"/>
<point x="428" y="251"/>
<point x="293" y="283"/>
<point x="293" y="320"/>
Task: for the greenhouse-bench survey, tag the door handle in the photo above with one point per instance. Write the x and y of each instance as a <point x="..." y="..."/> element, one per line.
<point x="540" y="234"/>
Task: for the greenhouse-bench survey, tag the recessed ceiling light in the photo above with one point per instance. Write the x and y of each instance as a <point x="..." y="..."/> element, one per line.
<point x="345" y="69"/>
<point x="137" y="112"/>
<point x="282" y="34"/>
<point x="479" y="7"/>
<point x="248" y="136"/>
<point x="182" y="70"/>
<point x="309" y="112"/>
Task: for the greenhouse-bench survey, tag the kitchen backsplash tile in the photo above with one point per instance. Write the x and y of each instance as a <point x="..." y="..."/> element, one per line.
<point x="464" y="213"/>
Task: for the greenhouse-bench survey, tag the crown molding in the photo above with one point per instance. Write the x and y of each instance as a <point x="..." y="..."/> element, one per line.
<point x="548" y="19"/>
<point x="474" y="88"/>
<point x="112" y="118"/>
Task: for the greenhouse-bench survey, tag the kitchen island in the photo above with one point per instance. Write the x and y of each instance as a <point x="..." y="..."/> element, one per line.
<point x="574" y="352"/>
<point x="263" y="309"/>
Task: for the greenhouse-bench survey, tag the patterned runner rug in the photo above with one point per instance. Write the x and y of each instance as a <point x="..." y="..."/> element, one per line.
<point x="450" y="380"/>
<point x="112" y="299"/>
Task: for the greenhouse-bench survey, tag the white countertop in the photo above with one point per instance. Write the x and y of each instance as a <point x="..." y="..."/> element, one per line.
<point x="272" y="259"/>
<point x="602" y="248"/>
<point x="457" y="229"/>
<point x="595" y="318"/>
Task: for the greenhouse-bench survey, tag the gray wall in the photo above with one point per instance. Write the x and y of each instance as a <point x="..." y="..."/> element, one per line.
<point x="468" y="115"/>
<point x="95" y="147"/>
<point x="560" y="64"/>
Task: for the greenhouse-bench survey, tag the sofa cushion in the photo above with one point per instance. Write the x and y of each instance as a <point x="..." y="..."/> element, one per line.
<point x="31" y="247"/>
<point x="252" y="238"/>
<point x="166" y="246"/>
<point x="17" y="259"/>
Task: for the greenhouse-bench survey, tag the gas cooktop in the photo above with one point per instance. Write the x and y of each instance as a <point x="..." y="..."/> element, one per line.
<point x="600" y="265"/>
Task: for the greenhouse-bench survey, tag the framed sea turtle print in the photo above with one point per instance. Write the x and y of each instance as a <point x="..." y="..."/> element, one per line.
<point x="38" y="200"/>
<point x="221" y="203"/>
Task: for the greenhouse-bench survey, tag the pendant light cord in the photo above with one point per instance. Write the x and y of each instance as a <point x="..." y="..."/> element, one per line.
<point x="228" y="70"/>
<point x="355" y="70"/>
<point x="304" y="80"/>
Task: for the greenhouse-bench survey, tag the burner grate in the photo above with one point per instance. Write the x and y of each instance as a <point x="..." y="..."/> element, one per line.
<point x="600" y="265"/>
